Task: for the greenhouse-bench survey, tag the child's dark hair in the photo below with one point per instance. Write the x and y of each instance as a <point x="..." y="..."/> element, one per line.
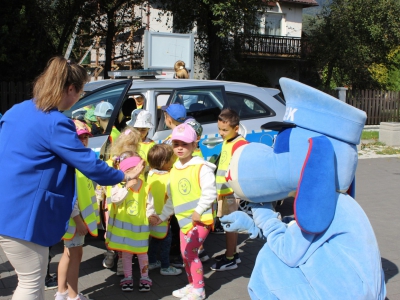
<point x="229" y="116"/>
<point x="159" y="155"/>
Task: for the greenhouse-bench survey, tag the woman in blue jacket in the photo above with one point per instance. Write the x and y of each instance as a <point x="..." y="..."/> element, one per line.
<point x="39" y="151"/>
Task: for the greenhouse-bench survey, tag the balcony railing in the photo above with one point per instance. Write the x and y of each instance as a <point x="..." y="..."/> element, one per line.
<point x="269" y="45"/>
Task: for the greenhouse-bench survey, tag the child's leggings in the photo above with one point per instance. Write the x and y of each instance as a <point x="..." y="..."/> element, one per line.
<point x="190" y="243"/>
<point x="143" y="264"/>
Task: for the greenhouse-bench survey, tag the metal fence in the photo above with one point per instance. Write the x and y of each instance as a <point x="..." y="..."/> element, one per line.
<point x="259" y="44"/>
<point x="12" y="93"/>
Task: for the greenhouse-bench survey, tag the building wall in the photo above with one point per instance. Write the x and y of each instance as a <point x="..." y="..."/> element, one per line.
<point x="292" y="18"/>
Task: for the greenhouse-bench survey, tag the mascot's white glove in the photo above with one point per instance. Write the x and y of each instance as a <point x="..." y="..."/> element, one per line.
<point x="240" y="221"/>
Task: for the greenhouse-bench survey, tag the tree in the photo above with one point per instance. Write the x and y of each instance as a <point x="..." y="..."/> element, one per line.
<point x="32" y="32"/>
<point x="215" y="23"/>
<point x="114" y="22"/>
<point x="354" y="35"/>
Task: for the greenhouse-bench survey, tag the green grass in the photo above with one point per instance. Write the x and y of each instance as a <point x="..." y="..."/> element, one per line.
<point x="370" y="135"/>
<point x="388" y="151"/>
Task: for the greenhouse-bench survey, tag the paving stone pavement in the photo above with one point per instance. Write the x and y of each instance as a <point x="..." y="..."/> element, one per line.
<point x="377" y="191"/>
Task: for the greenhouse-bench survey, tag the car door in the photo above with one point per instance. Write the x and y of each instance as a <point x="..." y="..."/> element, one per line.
<point x="114" y="94"/>
<point x="203" y="104"/>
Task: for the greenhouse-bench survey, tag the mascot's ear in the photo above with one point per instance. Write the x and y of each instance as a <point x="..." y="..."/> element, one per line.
<point x="316" y="198"/>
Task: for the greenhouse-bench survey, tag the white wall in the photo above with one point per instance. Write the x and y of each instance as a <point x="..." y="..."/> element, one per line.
<point x="292" y="16"/>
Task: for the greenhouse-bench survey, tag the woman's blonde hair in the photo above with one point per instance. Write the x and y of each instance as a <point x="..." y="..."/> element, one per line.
<point x="128" y="141"/>
<point x="55" y="79"/>
<point x="180" y="70"/>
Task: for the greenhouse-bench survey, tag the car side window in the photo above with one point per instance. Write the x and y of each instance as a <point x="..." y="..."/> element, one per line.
<point x="203" y="105"/>
<point x="84" y="109"/>
<point x="248" y="107"/>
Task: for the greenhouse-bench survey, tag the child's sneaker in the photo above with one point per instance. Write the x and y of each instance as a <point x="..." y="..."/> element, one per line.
<point x="170" y="271"/>
<point x="193" y="295"/>
<point x="224" y="264"/>
<point x="120" y="268"/>
<point x="50" y="282"/>
<point x="177" y="262"/>
<point x="145" y="284"/>
<point x="108" y="261"/>
<point x="183" y="291"/>
<point x="61" y="296"/>
<point x="155" y="265"/>
<point x="126" y="284"/>
<point x="203" y="255"/>
<point x="236" y="256"/>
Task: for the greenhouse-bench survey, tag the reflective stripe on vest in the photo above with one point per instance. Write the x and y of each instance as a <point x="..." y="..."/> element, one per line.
<point x="223" y="187"/>
<point x="157" y="185"/>
<point x="88" y="207"/>
<point x="128" y="227"/>
<point x="186" y="192"/>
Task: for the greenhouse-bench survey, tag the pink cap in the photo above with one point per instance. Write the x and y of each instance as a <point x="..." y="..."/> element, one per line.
<point x="81" y="128"/>
<point x="184" y="133"/>
<point x="129" y="162"/>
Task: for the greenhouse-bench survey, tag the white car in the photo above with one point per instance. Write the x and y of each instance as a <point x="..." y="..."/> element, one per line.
<point x="203" y="99"/>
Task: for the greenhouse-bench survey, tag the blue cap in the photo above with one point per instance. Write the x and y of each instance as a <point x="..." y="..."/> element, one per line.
<point x="314" y="110"/>
<point x="176" y="111"/>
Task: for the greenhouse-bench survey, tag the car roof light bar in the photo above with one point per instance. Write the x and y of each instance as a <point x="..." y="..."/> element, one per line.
<point x="149" y="73"/>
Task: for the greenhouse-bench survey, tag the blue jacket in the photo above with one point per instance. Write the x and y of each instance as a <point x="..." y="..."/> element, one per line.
<point x="38" y="155"/>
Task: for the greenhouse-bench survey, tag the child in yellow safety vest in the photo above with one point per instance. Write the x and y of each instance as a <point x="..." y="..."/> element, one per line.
<point x="126" y="145"/>
<point x="84" y="219"/>
<point x="128" y="227"/>
<point x="191" y="194"/>
<point x="161" y="158"/>
<point x="143" y="124"/>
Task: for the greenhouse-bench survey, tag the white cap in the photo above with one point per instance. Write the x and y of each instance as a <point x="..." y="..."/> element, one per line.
<point x="103" y="109"/>
<point x="134" y="115"/>
<point x="143" y="120"/>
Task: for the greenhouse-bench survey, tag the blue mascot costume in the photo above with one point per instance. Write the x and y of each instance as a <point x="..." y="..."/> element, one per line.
<point x="329" y="251"/>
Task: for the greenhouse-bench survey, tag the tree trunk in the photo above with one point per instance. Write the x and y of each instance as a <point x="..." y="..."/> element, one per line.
<point x="109" y="43"/>
<point x="214" y="48"/>
<point x="329" y="75"/>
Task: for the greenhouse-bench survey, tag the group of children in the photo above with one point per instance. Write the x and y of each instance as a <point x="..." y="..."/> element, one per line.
<point x="177" y="184"/>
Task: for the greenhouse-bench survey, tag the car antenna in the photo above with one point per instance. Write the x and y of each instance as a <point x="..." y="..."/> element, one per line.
<point x="219" y="73"/>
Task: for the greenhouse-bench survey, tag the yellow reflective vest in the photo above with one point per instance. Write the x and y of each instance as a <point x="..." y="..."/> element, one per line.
<point x="128" y="227"/>
<point x="197" y="152"/>
<point x="114" y="134"/>
<point x="223" y="187"/>
<point x="88" y="207"/>
<point x="185" y="193"/>
<point x="145" y="147"/>
<point x="157" y="186"/>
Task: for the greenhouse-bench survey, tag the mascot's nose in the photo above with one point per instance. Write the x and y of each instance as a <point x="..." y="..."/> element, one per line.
<point x="253" y="174"/>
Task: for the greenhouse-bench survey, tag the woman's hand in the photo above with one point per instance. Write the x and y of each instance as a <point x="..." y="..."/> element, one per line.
<point x="135" y="172"/>
<point x="131" y="183"/>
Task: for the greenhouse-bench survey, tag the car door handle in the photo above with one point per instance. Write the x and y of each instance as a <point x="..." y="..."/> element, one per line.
<point x="212" y="141"/>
